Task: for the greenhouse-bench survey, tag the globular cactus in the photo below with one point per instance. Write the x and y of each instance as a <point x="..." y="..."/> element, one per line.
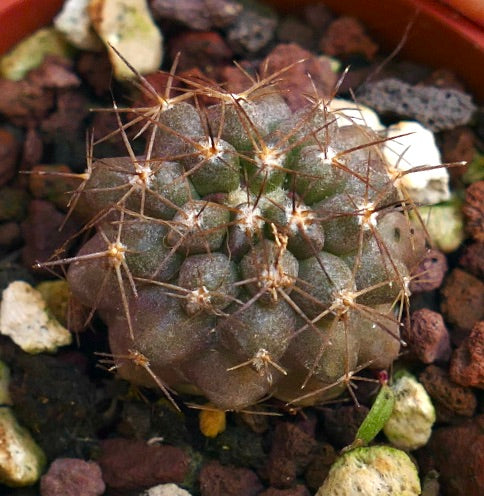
<point x="250" y="251"/>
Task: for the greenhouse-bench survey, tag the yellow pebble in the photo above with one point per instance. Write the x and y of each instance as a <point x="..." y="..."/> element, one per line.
<point x="56" y="296"/>
<point x="211" y="421"/>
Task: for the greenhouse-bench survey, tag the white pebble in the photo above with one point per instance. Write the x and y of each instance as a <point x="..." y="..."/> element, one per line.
<point x="410" y="424"/>
<point x="373" y="471"/>
<point x="166" y="490"/>
<point x="127" y="25"/>
<point x="21" y="460"/>
<point x="349" y="113"/>
<point x="24" y="317"/>
<point x="414" y="150"/>
<point x="74" y="23"/>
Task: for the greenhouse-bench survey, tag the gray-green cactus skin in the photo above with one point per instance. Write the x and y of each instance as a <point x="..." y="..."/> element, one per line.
<point x="251" y="251"/>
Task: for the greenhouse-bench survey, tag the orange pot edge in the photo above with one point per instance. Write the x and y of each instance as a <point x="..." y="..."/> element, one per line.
<point x="440" y="36"/>
<point x="19" y="18"/>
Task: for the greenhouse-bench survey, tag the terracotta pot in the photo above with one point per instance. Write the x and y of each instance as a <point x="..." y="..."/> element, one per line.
<point x="472" y="9"/>
<point x="18" y="18"/>
<point x="449" y="35"/>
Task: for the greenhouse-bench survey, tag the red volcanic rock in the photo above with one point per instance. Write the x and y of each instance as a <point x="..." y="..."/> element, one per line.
<point x="219" y="480"/>
<point x="135" y="465"/>
<point x="9" y="150"/>
<point x="429" y="273"/>
<point x="24" y="102"/>
<point x="204" y="50"/>
<point x="472" y="259"/>
<point x="427" y="337"/>
<point x="463" y="303"/>
<point x="33" y="148"/>
<point x="72" y="477"/>
<point x="342" y="423"/>
<point x="296" y="77"/>
<point x="67" y="119"/>
<point x="458" y="145"/>
<point x="467" y="363"/>
<point x="457" y="453"/>
<point x="298" y="490"/>
<point x="234" y="79"/>
<point x="55" y="72"/>
<point x="346" y="36"/>
<point x="449" y="398"/>
<point x="320" y="465"/>
<point x="41" y="232"/>
<point x="96" y="70"/>
<point x="292" y="450"/>
<point x="473" y="210"/>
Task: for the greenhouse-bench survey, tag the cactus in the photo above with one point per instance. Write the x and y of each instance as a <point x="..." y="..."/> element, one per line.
<point x="250" y="251"/>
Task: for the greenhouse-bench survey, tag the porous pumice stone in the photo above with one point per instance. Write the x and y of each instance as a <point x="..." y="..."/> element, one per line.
<point x="373" y="471"/>
<point x="250" y="250"/>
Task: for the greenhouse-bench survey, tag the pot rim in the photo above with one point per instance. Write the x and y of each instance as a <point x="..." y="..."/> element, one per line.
<point x="440" y="36"/>
<point x="19" y="18"/>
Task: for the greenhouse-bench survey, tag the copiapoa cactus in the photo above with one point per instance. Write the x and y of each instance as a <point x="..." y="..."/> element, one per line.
<point x="250" y="251"/>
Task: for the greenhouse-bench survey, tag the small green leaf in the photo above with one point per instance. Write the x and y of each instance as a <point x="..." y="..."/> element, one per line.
<point x="377" y="416"/>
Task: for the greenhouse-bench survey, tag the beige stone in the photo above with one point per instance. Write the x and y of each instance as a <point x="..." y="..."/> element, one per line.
<point x="24" y="317"/>
<point x="21" y="460"/>
<point x="373" y="471"/>
<point x="127" y="26"/>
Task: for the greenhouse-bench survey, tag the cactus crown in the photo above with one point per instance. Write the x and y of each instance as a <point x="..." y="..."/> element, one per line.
<point x="251" y="250"/>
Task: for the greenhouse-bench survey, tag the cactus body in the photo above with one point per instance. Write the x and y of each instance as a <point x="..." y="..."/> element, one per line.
<point x="250" y="251"/>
